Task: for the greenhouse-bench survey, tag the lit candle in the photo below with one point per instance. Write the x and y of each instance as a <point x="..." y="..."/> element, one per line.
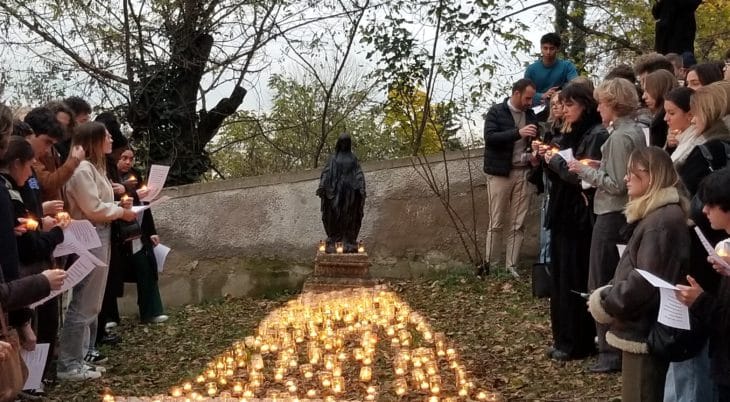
<point x="131" y="179"/>
<point x="176" y="392"/>
<point x="63" y="217"/>
<point x="322" y="246"/>
<point x="31" y="224"/>
<point x="360" y="247"/>
<point x="312" y="393"/>
<point x="339" y="248"/>
<point x="366" y="373"/>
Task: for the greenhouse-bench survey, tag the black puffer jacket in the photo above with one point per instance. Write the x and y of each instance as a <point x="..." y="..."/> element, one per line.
<point x="500" y="134"/>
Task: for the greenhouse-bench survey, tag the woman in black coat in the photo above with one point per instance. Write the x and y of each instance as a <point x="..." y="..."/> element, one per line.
<point x="570" y="220"/>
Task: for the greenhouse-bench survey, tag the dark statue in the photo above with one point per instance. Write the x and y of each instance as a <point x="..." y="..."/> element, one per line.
<point x="342" y="190"/>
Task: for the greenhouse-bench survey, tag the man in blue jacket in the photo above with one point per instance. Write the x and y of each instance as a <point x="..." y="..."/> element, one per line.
<point x="549" y="73"/>
<point x="509" y="128"/>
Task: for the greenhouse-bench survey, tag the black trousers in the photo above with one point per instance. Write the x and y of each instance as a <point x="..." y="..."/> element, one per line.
<point x="572" y="325"/>
<point x="46" y="330"/>
<point x="109" y="312"/>
<point x="603" y="261"/>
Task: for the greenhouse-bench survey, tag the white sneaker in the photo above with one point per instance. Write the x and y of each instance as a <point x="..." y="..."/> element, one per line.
<point x="158" y="319"/>
<point x="110" y="325"/>
<point x="79" y="374"/>
<point x="98" y="369"/>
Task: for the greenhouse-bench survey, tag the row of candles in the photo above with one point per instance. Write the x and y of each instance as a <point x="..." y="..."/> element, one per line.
<point x="323" y="347"/>
<point x="340" y="247"/>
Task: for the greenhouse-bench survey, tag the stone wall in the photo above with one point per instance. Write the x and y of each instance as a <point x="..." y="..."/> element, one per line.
<point x="255" y="234"/>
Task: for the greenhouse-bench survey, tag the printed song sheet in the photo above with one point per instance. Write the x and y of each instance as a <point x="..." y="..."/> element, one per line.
<point x="36" y="361"/>
<point x="156" y="181"/>
<point x="79" y="234"/>
<point x="672" y="312"/>
<point x="78" y="271"/>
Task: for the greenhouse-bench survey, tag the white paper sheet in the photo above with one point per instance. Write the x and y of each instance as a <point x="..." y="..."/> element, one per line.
<point x="647" y="136"/>
<point x="75" y="273"/>
<point x="156" y="181"/>
<point x="711" y="251"/>
<point x="539" y="108"/>
<point x="84" y="232"/>
<point x="621" y="248"/>
<point x="36" y="362"/>
<point x="567" y="154"/>
<point x="161" y="251"/>
<point x="672" y="312"/>
<point x="78" y="235"/>
<point x="138" y="209"/>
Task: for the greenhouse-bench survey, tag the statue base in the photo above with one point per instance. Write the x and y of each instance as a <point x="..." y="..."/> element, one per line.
<point x="339" y="271"/>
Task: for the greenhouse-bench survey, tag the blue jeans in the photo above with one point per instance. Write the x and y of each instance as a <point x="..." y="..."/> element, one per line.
<point x="544" y="256"/>
<point x="689" y="381"/>
<point x="83" y="309"/>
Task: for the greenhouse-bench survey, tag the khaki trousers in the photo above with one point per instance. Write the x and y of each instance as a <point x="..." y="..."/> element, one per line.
<point x="509" y="198"/>
<point x="643" y="378"/>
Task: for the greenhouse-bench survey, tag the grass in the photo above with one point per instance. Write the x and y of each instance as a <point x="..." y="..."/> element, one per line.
<point x="499" y="329"/>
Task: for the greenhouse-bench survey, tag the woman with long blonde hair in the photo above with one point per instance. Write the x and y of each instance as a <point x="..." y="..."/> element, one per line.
<point x="659" y="243"/>
<point x="90" y="196"/>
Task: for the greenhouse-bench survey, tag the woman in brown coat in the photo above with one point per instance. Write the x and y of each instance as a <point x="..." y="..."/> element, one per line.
<point x="659" y="244"/>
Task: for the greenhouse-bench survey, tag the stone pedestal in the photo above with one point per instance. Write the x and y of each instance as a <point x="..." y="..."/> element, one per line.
<point x="339" y="271"/>
<point x="350" y="265"/>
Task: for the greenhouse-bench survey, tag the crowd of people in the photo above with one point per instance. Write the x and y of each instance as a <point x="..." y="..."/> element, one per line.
<point x="628" y="169"/>
<point x="56" y="166"/>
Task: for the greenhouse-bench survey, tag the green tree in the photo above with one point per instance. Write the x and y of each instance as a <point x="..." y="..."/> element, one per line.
<point x="161" y="59"/>
<point x="404" y="111"/>
<point x="287" y="138"/>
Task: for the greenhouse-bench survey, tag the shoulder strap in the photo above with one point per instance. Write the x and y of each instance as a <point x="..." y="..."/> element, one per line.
<point x="707" y="155"/>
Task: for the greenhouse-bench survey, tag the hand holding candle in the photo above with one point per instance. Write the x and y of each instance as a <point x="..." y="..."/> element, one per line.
<point x="31" y="224"/>
<point x="143" y="191"/>
<point x="125" y="201"/>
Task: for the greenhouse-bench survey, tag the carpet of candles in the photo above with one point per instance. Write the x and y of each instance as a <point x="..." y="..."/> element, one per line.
<point x="324" y="347"/>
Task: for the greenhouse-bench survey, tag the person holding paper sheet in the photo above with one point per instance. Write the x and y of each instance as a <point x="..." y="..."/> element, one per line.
<point x="136" y="256"/>
<point x="34" y="246"/>
<point x="659" y="244"/>
<point x="617" y="101"/>
<point x="713" y="309"/>
<point x="90" y="196"/>
<point x="509" y="127"/>
<point x="570" y="220"/>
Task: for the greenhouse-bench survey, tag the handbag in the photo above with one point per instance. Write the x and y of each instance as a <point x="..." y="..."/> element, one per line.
<point x="674" y="344"/>
<point x="541" y="280"/>
<point x="13" y="371"/>
<point x="123" y="231"/>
